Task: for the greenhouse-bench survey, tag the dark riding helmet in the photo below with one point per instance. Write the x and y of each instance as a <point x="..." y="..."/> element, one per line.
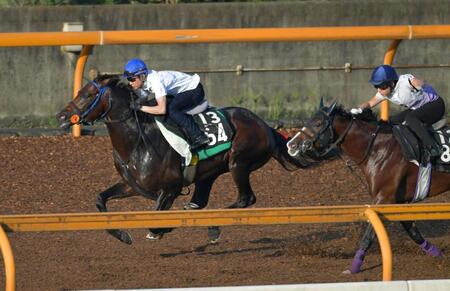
<point x="383" y="74"/>
<point x="135" y="67"/>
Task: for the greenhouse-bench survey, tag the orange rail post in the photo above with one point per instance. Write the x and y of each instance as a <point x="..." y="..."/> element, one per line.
<point x="78" y="81"/>
<point x="8" y="257"/>
<point x="383" y="239"/>
<point x="255" y="216"/>
<point x="90" y="38"/>
<point x="388" y="59"/>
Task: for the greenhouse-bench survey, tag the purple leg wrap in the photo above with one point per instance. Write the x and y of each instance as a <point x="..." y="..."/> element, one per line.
<point x="357" y="261"/>
<point x="431" y="249"/>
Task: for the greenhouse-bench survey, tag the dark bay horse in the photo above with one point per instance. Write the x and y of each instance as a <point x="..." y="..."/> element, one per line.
<point x="372" y="146"/>
<point x="149" y="166"/>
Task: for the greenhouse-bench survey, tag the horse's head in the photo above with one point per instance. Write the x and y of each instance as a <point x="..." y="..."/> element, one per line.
<point x="92" y="102"/>
<point x="315" y="139"/>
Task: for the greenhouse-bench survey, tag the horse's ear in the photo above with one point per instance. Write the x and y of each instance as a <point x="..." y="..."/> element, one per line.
<point x="321" y="103"/>
<point x="332" y="107"/>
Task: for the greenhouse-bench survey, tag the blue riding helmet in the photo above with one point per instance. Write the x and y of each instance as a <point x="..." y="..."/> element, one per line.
<point x="135" y="67"/>
<point x="383" y="74"/>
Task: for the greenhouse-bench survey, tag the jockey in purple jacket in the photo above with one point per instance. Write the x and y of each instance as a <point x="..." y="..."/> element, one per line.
<point x="424" y="105"/>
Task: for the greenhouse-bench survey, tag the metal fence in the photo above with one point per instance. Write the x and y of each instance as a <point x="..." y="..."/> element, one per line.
<point x="262" y="216"/>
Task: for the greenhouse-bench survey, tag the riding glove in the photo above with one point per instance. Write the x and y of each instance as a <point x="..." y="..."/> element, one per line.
<point x="356" y="111"/>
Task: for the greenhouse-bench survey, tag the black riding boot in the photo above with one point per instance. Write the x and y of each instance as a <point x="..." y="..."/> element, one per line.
<point x="431" y="148"/>
<point x="197" y="138"/>
<point x="430" y="152"/>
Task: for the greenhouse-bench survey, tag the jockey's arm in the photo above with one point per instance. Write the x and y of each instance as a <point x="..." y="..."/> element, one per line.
<point x="159" y="109"/>
<point x="417" y="83"/>
<point x="371" y="103"/>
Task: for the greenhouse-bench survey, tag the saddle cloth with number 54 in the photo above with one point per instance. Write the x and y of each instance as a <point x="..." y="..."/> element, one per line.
<point x="212" y="122"/>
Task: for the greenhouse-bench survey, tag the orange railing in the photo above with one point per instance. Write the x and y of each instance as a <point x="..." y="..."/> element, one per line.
<point x="88" y="39"/>
<point x="255" y="216"/>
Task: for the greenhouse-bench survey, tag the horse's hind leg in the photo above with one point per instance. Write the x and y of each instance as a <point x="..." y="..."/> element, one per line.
<point x="117" y="191"/>
<point x="241" y="177"/>
<point x="416" y="236"/>
<point x="364" y="245"/>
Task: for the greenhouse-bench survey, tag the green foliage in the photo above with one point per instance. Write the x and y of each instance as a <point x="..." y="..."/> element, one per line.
<point x="23" y="3"/>
<point x="237" y="100"/>
<point x="276" y="107"/>
<point x="29" y="122"/>
<point x="250" y="100"/>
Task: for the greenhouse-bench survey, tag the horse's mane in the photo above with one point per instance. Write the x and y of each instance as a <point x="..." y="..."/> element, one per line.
<point x="116" y="80"/>
<point x="112" y="80"/>
<point x="367" y="116"/>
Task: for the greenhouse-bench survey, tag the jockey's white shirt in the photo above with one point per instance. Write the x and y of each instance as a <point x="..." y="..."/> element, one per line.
<point x="404" y="94"/>
<point x="162" y="83"/>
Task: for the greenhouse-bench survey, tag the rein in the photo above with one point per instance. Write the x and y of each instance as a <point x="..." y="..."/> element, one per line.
<point x="98" y="97"/>
<point x="366" y="154"/>
<point x="371" y="142"/>
<point x="338" y="140"/>
<point x="127" y="115"/>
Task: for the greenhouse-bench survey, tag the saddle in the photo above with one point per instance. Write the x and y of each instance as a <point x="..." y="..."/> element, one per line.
<point x="213" y="123"/>
<point x="413" y="151"/>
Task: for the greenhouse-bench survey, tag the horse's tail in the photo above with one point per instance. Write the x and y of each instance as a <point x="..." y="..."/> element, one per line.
<point x="281" y="154"/>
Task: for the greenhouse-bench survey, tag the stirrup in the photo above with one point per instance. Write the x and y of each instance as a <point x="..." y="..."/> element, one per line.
<point x="199" y="142"/>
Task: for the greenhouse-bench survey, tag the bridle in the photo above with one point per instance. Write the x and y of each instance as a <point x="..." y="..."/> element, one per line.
<point x="102" y="92"/>
<point x="325" y="135"/>
<point x="333" y="146"/>
<point x="80" y="116"/>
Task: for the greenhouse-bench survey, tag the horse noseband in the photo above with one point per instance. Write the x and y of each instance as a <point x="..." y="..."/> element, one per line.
<point x="306" y="145"/>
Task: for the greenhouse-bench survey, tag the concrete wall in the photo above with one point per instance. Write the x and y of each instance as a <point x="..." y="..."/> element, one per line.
<point x="37" y="81"/>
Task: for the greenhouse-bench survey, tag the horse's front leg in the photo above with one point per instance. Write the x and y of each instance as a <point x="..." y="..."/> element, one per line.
<point x="364" y="245"/>
<point x="164" y="202"/>
<point x="368" y="237"/>
<point x="117" y="191"/>
<point x="416" y="236"/>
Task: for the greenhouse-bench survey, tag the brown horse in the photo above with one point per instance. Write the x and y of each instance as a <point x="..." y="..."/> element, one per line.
<point x="372" y="146"/>
<point x="151" y="168"/>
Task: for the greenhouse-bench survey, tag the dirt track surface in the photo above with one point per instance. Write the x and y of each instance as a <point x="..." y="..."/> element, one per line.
<point x="62" y="174"/>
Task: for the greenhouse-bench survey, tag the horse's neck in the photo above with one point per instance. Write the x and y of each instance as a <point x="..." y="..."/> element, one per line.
<point x="358" y="138"/>
<point x="126" y="136"/>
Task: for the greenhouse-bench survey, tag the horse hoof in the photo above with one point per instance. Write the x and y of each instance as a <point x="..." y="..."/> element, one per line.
<point x="213" y="234"/>
<point x="431" y="250"/>
<point x="152" y="236"/>
<point x="191" y="206"/>
<point x="125" y="237"/>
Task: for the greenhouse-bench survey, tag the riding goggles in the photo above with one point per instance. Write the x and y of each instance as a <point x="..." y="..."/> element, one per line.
<point x="382" y="86"/>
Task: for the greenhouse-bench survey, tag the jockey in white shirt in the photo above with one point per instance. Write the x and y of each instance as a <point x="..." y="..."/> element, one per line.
<point x="187" y="92"/>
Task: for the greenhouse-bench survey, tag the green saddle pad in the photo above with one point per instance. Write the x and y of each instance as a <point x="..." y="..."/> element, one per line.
<point x="214" y="124"/>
